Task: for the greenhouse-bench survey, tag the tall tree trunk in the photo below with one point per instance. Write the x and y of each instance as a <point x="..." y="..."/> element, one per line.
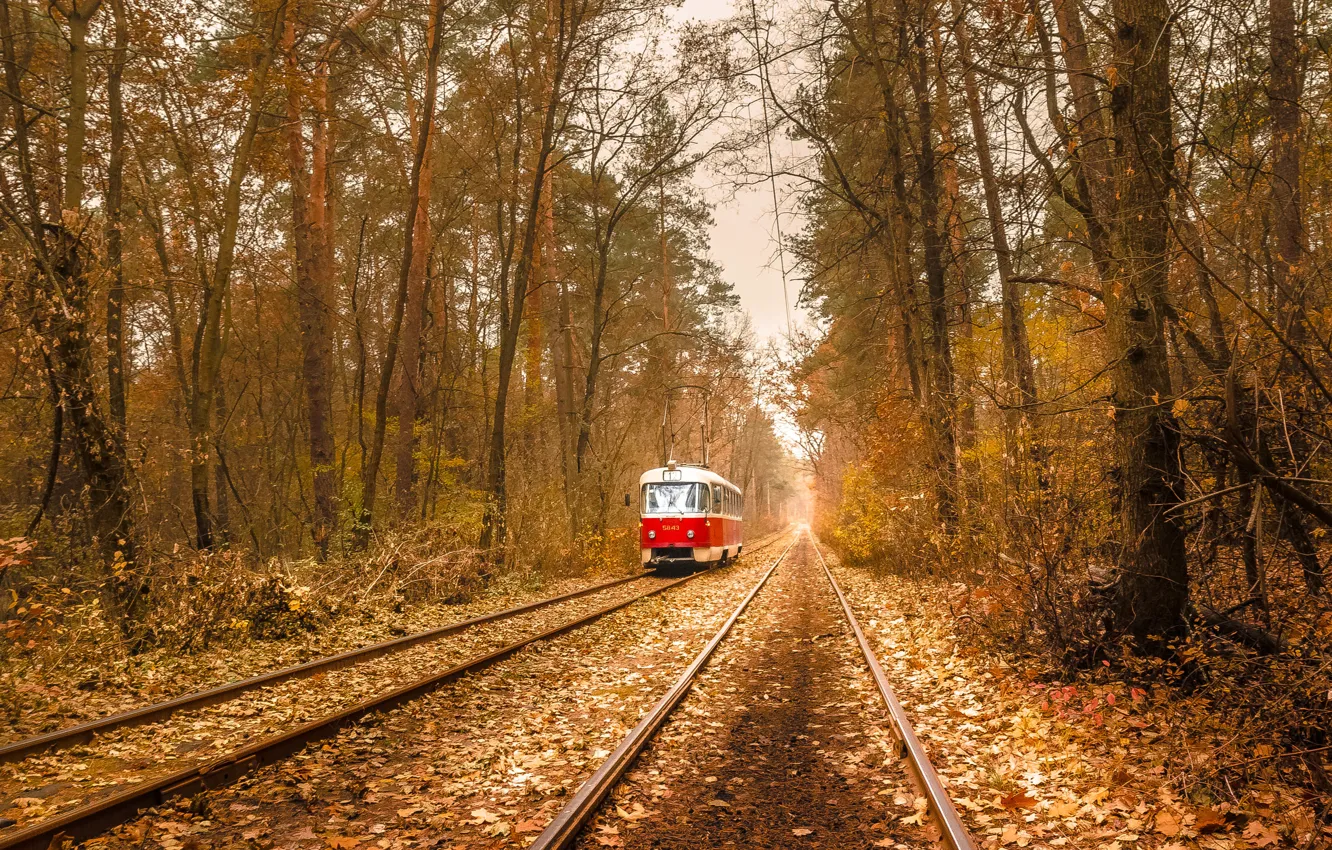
<point x="60" y="312"/>
<point x="569" y="17"/>
<point x="317" y="318"/>
<point x="953" y="225"/>
<point x="941" y="402"/>
<point x="313" y="285"/>
<point x="77" y="15"/>
<point x="1019" y="389"/>
<point x="1088" y="137"/>
<point x="1283" y="95"/>
<point x="562" y="356"/>
<point x="535" y="342"/>
<point x="596" y="334"/>
<point x="370" y="473"/>
<point x="408" y="401"/>
<point x="207" y="363"/>
<point x="1153" y="580"/>
<point x="115" y="176"/>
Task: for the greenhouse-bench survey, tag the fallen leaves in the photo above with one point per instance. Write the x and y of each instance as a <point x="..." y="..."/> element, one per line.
<point x="1020" y="800"/>
<point x="1167" y="824"/>
<point x="1208" y="820"/>
<point x="1084" y="763"/>
<point x="1259" y="835"/>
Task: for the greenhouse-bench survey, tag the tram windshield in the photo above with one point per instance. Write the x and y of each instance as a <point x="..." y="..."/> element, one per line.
<point x="675" y="498"/>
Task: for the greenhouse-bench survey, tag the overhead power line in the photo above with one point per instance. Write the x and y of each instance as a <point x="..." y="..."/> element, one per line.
<point x="765" y="86"/>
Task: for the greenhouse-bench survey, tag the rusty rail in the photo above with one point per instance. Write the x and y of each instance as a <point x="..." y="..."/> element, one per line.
<point x="952" y="833"/>
<point x="561" y="832"/>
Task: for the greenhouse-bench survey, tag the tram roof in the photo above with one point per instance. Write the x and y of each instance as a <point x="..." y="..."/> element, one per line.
<point x="687" y="472"/>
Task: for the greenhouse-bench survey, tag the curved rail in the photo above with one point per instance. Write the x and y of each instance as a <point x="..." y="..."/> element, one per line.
<point x="94" y="818"/>
<point x="952" y="833"/>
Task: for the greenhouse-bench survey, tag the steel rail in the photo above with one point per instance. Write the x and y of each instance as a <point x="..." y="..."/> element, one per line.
<point x="85" y="732"/>
<point x="92" y="819"/>
<point x="951" y="831"/>
<point x="561" y="832"/>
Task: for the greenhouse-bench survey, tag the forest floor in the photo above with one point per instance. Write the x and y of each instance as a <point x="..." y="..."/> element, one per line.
<point x="1085" y="762"/>
<point x="484" y="762"/>
<point x="781" y="743"/>
<point x="68" y="683"/>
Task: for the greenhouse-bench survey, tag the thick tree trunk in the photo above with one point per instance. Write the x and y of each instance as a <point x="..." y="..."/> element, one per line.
<point x="1153" y="581"/>
<point x="1283" y="95"/>
<point x="313" y="291"/>
<point x="317" y="312"/>
<point x="60" y="314"/>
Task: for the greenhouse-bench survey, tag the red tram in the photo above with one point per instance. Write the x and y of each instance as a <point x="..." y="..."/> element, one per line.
<point x="689" y="514"/>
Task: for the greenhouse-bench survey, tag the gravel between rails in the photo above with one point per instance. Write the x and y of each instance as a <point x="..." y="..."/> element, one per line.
<point x="43" y="785"/>
<point x="484" y="762"/>
<point x="782" y="743"/>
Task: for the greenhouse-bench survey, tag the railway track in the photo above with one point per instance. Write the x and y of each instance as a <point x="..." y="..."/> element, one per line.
<point x="84" y="732"/>
<point x="91" y="819"/>
<point x="563" y="831"/>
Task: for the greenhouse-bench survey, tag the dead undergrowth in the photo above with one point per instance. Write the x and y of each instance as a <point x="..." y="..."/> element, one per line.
<point x="219" y="616"/>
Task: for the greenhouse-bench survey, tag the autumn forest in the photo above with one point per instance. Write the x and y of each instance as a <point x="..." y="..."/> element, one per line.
<point x="329" y="321"/>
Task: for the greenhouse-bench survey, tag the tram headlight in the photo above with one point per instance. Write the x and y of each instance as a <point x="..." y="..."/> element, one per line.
<point x="652" y="535"/>
<point x="690" y="534"/>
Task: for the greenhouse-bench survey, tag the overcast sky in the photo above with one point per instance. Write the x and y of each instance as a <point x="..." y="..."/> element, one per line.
<point x="744" y="237"/>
